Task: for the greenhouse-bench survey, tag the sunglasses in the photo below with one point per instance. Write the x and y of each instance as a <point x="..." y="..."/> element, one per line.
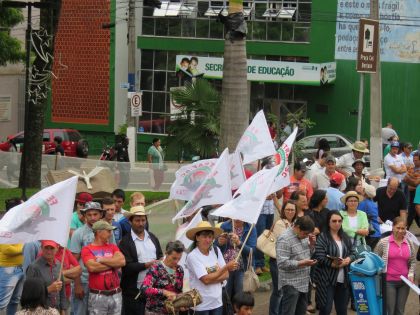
<point x="336" y="221"/>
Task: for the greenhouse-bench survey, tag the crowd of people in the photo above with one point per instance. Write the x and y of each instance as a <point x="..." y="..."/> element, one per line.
<point x="114" y="264"/>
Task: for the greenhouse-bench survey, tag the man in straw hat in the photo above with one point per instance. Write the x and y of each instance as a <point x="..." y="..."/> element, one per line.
<point x="102" y="260"/>
<point x="345" y="162"/>
<point x="141" y="249"/>
<point x="81" y="237"/>
<point x="207" y="268"/>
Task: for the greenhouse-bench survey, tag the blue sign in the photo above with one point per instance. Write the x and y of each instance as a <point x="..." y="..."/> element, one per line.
<point x="360" y="297"/>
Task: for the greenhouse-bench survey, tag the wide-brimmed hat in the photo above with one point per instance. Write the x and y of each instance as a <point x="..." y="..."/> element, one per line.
<point x="359" y="161"/>
<point x="102" y="225"/>
<point x="359" y="146"/>
<point x="84" y="197"/>
<point x="92" y="205"/>
<point x="203" y="226"/>
<point x="370" y="191"/>
<point x="137" y="210"/>
<point x="351" y="194"/>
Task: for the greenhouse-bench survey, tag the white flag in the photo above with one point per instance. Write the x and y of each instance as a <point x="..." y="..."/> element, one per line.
<point x="237" y="173"/>
<point x="44" y="216"/>
<point x="189" y="178"/>
<point x="250" y="197"/>
<point x="283" y="177"/>
<point x="215" y="189"/>
<point x="181" y="235"/>
<point x="256" y="142"/>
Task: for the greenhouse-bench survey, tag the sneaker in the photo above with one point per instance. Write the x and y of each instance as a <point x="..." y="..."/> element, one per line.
<point x="258" y="271"/>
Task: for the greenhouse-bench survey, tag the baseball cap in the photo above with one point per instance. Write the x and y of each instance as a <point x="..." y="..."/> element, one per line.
<point x="102" y="225"/>
<point x="395" y="144"/>
<point x="84" y="197"/>
<point x="336" y="178"/>
<point x="359" y="161"/>
<point x="49" y="243"/>
<point x="330" y="158"/>
<point x="92" y="205"/>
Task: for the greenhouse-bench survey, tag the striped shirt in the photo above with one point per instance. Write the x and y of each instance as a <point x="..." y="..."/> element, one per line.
<point x="289" y="250"/>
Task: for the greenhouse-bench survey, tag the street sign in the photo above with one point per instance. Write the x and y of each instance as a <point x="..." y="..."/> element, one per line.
<point x="367" y="52"/>
<point x="136" y="104"/>
<point x="124" y="85"/>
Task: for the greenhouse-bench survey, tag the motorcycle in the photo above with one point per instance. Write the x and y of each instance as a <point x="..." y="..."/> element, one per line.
<point x="108" y="154"/>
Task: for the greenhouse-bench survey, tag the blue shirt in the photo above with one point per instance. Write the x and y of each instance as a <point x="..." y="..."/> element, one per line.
<point x="117" y="231"/>
<point x="371" y="209"/>
<point x="334" y="195"/>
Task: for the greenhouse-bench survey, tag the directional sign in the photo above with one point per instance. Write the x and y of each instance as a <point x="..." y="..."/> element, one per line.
<point x="136" y="104"/>
<point x="367" y="52"/>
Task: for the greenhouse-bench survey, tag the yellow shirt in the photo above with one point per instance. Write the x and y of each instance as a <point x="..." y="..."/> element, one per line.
<point x="11" y="255"/>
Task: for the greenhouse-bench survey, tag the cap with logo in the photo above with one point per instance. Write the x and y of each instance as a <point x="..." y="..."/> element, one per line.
<point x="92" y="205"/>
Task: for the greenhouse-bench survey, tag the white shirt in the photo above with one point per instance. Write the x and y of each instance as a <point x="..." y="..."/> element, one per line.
<point x="200" y="265"/>
<point x="340" y="276"/>
<point x="397" y="161"/>
<point x="119" y="215"/>
<point x="346" y="161"/>
<point x="146" y="251"/>
<point x="322" y="181"/>
<point x="313" y="169"/>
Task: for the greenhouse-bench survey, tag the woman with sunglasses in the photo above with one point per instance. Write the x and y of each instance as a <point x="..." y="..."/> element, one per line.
<point x="333" y="251"/>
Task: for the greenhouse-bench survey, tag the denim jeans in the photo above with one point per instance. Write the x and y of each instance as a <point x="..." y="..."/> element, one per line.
<point x="235" y="283"/>
<point x="292" y="301"/>
<point x="265" y="221"/>
<point x="80" y="307"/>
<point x="275" y="294"/>
<point x="396" y="297"/>
<point x="339" y="294"/>
<point x="11" y="284"/>
<point x="216" y="311"/>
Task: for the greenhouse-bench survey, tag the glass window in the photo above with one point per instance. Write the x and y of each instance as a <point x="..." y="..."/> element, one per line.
<point x="203" y="28"/>
<point x="159" y="99"/>
<point x="274" y="31"/>
<point x="161" y="27"/>
<point x="147" y="101"/>
<point x="159" y="82"/>
<point x="188" y="27"/>
<point x="45" y="136"/>
<point x="258" y="30"/>
<point x="172" y="80"/>
<point x="174" y="27"/>
<point x="308" y="143"/>
<point x="148" y="26"/>
<point x="147" y="59"/>
<point x="287" y="31"/>
<point x="332" y="141"/>
<point x="160" y="60"/>
<point x="157" y="123"/>
<point x="146" y="80"/>
<point x="145" y="121"/>
<point x="216" y="29"/>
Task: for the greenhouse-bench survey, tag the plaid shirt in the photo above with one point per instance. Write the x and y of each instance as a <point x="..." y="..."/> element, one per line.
<point x="289" y="250"/>
<point x="268" y="207"/>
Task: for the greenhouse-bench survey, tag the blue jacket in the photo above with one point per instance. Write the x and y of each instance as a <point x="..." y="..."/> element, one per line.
<point x="251" y="243"/>
<point x="371" y="209"/>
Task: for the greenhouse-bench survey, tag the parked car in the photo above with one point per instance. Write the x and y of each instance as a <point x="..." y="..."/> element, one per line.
<point x="73" y="143"/>
<point x="339" y="145"/>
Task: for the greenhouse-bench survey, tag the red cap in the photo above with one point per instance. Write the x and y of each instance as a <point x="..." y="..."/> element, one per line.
<point x="337" y="178"/>
<point x="50" y="243"/>
<point x="84" y="197"/>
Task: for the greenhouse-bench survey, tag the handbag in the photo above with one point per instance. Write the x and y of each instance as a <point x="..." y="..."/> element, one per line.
<point x="266" y="242"/>
<point x="187" y="299"/>
<point x="227" y="303"/>
<point x="251" y="281"/>
<point x="361" y="247"/>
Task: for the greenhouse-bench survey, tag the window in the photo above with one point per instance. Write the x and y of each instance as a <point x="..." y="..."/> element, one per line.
<point x="308" y="143"/>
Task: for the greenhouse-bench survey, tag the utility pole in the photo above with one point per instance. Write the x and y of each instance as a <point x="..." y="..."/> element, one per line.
<point x="131" y="41"/>
<point x="375" y="103"/>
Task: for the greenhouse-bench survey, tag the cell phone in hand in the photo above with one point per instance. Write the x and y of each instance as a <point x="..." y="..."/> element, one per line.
<point x="333" y="257"/>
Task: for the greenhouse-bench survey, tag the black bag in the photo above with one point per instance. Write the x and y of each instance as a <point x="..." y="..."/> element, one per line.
<point x="227" y="303"/>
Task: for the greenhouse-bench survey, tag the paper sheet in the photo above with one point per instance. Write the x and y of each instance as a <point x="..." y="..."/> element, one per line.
<point x="411" y="285"/>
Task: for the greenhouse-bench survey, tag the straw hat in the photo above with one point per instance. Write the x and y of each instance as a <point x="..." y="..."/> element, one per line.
<point x="203" y="226"/>
<point x="359" y="146"/>
<point x="351" y="194"/>
<point x="137" y="210"/>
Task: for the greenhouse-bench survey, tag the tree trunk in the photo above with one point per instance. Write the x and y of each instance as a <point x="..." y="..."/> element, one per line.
<point x="234" y="113"/>
<point x="39" y="87"/>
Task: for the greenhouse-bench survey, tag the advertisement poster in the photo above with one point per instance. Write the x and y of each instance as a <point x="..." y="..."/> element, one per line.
<point x="399" y="29"/>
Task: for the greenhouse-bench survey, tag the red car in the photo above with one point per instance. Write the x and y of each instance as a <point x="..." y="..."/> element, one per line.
<point x="73" y="143"/>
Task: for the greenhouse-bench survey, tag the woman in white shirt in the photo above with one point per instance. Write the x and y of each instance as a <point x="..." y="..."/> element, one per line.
<point x="207" y="268"/>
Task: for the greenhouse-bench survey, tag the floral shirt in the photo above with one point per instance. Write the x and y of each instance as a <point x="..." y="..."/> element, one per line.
<point x="39" y="311"/>
<point x="158" y="279"/>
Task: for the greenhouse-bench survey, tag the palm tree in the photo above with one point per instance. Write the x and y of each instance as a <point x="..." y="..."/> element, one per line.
<point x="196" y="128"/>
<point x="234" y="113"/>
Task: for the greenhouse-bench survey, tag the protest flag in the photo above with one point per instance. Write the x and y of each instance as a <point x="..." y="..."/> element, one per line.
<point x="237" y="173"/>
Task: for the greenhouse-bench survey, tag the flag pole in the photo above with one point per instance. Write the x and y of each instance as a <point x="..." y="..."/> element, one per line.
<point x="243" y="244"/>
<point x="62" y="263"/>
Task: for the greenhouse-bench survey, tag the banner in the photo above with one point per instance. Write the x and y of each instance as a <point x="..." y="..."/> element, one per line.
<point x="237" y="173"/>
<point x="215" y="189"/>
<point x="256" y="142"/>
<point x="399" y="35"/>
<point x="283" y="177"/>
<point x="260" y="70"/>
<point x="45" y="216"/>
<point x="249" y="198"/>
<point x="189" y="177"/>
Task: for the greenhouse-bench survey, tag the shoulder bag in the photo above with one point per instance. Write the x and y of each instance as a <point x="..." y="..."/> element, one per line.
<point x="251" y="282"/>
<point x="266" y="242"/>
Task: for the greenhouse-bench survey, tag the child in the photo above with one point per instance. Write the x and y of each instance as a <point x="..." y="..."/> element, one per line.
<point x="243" y="303"/>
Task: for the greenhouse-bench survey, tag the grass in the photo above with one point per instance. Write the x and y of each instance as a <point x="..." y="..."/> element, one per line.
<point x="7" y="193"/>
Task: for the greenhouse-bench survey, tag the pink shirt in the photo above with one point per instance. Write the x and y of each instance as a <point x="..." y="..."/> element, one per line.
<point x="397" y="260"/>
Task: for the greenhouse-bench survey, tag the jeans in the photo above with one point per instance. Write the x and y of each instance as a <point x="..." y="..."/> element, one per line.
<point x="235" y="283"/>
<point x="396" y="297"/>
<point x="339" y="294"/>
<point x="216" y="311"/>
<point x="275" y="294"/>
<point x="80" y="306"/>
<point x="292" y="301"/>
<point x="11" y="284"/>
<point x="105" y="305"/>
<point x="265" y="221"/>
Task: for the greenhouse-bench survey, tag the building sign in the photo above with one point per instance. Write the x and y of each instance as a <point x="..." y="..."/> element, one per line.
<point x="367" y="51"/>
<point x="5" y="108"/>
<point x="399" y="34"/>
<point x="260" y="70"/>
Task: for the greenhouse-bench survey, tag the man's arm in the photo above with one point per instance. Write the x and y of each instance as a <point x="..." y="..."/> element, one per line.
<point x="398" y="170"/>
<point x="93" y="266"/>
<point x="116" y="261"/>
<point x="73" y="272"/>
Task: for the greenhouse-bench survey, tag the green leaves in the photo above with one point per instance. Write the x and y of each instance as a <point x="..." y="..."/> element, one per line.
<point x="10" y="48"/>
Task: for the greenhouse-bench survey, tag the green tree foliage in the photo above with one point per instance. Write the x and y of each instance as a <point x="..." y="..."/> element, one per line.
<point x="10" y="48"/>
<point x="196" y="129"/>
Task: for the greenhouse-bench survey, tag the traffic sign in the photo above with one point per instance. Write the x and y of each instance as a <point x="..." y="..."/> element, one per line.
<point x="136" y="104"/>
